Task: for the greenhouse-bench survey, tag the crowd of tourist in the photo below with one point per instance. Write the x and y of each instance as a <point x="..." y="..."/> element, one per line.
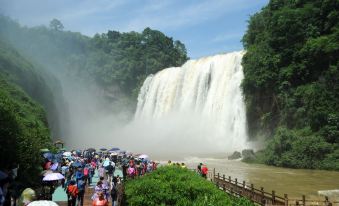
<point x="78" y="171"/>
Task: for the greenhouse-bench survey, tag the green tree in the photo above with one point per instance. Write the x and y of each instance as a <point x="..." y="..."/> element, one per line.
<point x="56" y="24"/>
<point x="291" y="79"/>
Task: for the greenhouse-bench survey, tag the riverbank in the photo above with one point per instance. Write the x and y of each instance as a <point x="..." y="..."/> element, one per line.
<point x="294" y="182"/>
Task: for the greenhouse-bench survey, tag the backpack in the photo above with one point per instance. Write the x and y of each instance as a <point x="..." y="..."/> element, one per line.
<point x="72" y="190"/>
<point x="86" y="171"/>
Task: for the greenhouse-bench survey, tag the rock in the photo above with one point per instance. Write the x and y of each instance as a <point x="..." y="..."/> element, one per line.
<point x="234" y="156"/>
<point x="248" y="155"/>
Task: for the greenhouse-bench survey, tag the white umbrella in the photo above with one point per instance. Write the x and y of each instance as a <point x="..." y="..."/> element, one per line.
<point x="67" y="154"/>
<point x="143" y="156"/>
<point x="53" y="176"/>
<point x="43" y="203"/>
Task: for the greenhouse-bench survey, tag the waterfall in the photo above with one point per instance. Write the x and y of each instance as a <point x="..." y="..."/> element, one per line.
<point x="205" y="96"/>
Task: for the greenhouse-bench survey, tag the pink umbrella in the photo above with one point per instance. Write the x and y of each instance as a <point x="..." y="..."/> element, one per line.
<point x="53" y="176"/>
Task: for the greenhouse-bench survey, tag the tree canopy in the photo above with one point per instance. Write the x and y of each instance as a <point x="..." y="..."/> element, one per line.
<point x="291" y="83"/>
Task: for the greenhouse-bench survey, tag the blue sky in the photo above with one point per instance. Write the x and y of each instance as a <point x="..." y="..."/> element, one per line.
<point x="206" y="27"/>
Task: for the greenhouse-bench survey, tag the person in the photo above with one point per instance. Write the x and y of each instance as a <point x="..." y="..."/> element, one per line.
<point x="86" y="173"/>
<point x="81" y="188"/>
<point x="72" y="193"/>
<point x="131" y="172"/>
<point x="100" y="200"/>
<point x="110" y="171"/>
<point x="169" y="163"/>
<point x="124" y="171"/>
<point x="199" y="168"/>
<point x="79" y="174"/>
<point x="101" y="171"/>
<point x="204" y="171"/>
<point x="114" y="194"/>
<point x="90" y="174"/>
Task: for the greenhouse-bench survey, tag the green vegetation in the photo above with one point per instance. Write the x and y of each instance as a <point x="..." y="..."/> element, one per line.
<point x="23" y="124"/>
<point x="170" y="185"/>
<point x="291" y="83"/>
<point x="112" y="60"/>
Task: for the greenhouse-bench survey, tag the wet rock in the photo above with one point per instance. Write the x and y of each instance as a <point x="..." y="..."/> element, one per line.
<point x="234" y="156"/>
<point x="248" y="155"/>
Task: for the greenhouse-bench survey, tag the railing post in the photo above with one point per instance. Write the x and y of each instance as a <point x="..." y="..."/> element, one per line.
<point x="236" y="186"/>
<point x="252" y="192"/>
<point x="218" y="175"/>
<point x="243" y="187"/>
<point x="223" y="177"/>
<point x="213" y="174"/>
<point x="286" y="199"/>
<point x="224" y="187"/>
<point x="304" y="201"/>
<point x="273" y="197"/>
<point x="262" y="196"/>
<point x="229" y="179"/>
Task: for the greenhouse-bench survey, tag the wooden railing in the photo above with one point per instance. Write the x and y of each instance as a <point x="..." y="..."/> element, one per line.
<point x="259" y="196"/>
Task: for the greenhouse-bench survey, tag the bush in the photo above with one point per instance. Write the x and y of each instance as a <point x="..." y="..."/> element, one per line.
<point x="172" y="185"/>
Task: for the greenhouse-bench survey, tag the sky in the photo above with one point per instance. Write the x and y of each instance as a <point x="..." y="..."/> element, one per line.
<point x="206" y="27"/>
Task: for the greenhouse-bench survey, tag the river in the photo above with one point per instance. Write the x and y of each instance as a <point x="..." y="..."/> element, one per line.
<point x="294" y="182"/>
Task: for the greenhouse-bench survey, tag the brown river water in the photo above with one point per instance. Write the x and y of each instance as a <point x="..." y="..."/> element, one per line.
<point x="294" y="182"/>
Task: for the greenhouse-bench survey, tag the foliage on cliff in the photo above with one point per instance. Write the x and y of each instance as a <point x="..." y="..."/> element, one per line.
<point x="171" y="185"/>
<point x="23" y="124"/>
<point x="111" y="59"/>
<point x="291" y="83"/>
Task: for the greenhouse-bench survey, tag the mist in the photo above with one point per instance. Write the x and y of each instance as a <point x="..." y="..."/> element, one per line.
<point x="193" y="110"/>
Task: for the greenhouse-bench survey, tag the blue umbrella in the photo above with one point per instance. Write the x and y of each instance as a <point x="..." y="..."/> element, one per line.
<point x="54" y="166"/>
<point x="76" y="164"/>
<point x="103" y="149"/>
<point x="114" y="149"/>
<point x="48" y="155"/>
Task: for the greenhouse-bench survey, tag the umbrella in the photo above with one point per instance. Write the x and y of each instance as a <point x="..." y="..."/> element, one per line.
<point x="3" y="175"/>
<point x="53" y="176"/>
<point x="46" y="172"/>
<point x="76" y="164"/>
<point x="44" y="150"/>
<point x="54" y="166"/>
<point x="114" y="149"/>
<point x="43" y="203"/>
<point x="113" y="153"/>
<point x="67" y="154"/>
<point x="122" y="151"/>
<point x="103" y="149"/>
<point x="143" y="156"/>
<point x="91" y="150"/>
<point x="48" y="155"/>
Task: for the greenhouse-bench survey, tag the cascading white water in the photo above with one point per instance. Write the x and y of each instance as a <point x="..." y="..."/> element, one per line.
<point x="203" y="94"/>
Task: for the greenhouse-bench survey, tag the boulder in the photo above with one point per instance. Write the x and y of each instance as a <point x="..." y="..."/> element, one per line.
<point x="248" y="155"/>
<point x="234" y="156"/>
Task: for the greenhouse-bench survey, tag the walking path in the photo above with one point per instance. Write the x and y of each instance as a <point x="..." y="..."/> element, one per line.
<point x="60" y="196"/>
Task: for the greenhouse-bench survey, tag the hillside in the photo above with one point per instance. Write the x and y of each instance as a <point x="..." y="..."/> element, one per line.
<point x="291" y="83"/>
<point x="23" y="122"/>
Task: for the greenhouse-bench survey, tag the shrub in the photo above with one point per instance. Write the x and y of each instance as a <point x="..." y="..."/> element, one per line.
<point x="172" y="185"/>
